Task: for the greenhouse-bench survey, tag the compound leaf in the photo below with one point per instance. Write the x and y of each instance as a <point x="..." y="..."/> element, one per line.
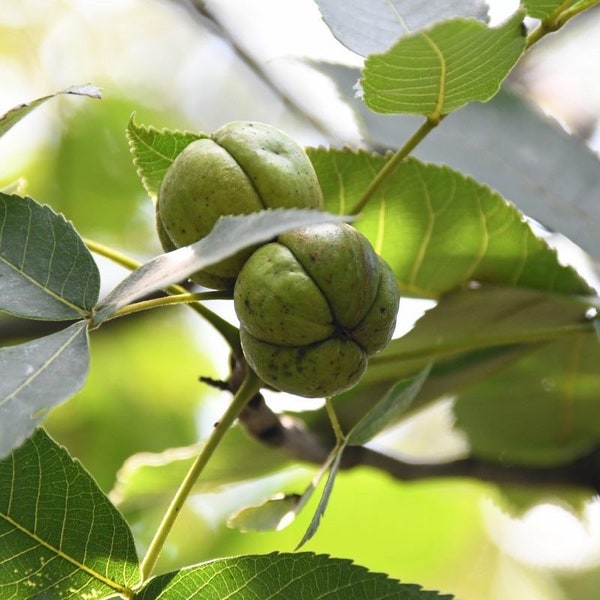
<point x="507" y="144"/>
<point x="46" y="271"/>
<point x="61" y="537"/>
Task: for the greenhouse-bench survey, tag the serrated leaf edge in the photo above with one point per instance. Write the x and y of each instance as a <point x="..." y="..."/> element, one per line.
<point x="131" y="133"/>
<point x="313" y="555"/>
<point x="407" y="287"/>
<point x="80" y="311"/>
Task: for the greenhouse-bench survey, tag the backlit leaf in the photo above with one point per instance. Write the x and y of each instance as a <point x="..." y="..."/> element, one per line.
<point x="36" y="376"/>
<point x="507" y="144"/>
<point x="388" y="410"/>
<point x="61" y="537"/>
<point x="490" y="316"/>
<point x="152" y="478"/>
<point x="439" y="229"/>
<point x="435" y="72"/>
<point x="469" y="336"/>
<point x="541" y="9"/>
<point x="46" y="271"/>
<point x="280" y="577"/>
<point x="272" y="515"/>
<point x="542" y="411"/>
<point x="280" y="511"/>
<point x="16" y="187"/>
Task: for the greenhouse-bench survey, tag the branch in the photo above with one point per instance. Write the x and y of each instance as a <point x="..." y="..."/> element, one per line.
<point x="206" y="17"/>
<point x="582" y="472"/>
<point x="281" y="432"/>
<point x="246" y="389"/>
<point x="291" y="435"/>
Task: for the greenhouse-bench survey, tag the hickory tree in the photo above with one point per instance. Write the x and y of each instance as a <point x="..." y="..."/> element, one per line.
<point x="314" y="250"/>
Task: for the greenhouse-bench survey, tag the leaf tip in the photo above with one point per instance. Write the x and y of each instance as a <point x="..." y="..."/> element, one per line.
<point x="86" y="89"/>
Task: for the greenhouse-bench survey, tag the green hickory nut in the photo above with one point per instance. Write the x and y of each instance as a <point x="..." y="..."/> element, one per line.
<point x="243" y="167"/>
<point x="313" y="306"/>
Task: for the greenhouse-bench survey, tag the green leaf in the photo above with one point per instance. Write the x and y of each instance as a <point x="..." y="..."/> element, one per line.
<point x="228" y="236"/>
<point x="469" y="335"/>
<point x="152" y="478"/>
<point x="36" y="376"/>
<point x="14" y="115"/>
<point x="334" y="459"/>
<point x="273" y="515"/>
<point x="542" y="411"/>
<point x="514" y="148"/>
<point x="389" y="409"/>
<point x="384" y="413"/>
<point x="154" y="151"/>
<point x="542" y="9"/>
<point x="371" y="27"/>
<point x="449" y="375"/>
<point x="439" y="229"/>
<point x="61" y="537"/>
<point x="507" y="144"/>
<point x="280" y="511"/>
<point x="45" y="268"/>
<point x="489" y="316"/>
<point x="435" y="72"/>
<point x="281" y="577"/>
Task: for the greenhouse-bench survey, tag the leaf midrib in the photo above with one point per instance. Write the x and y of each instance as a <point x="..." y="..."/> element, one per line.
<point x="109" y="582"/>
<point x="61" y="299"/>
<point x="37" y="373"/>
<point x="437" y="112"/>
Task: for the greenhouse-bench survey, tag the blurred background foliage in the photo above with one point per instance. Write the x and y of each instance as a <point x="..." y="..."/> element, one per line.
<point x="174" y="68"/>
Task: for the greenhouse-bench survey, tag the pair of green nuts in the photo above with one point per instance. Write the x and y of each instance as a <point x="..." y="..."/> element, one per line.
<point x="313" y="304"/>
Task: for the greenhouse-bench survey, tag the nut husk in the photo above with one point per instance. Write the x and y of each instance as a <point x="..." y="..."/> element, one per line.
<point x="313" y="306"/>
<point x="242" y="168"/>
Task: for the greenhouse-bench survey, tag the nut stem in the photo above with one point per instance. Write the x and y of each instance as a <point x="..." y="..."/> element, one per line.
<point x="249" y="388"/>
<point x="429" y="125"/>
